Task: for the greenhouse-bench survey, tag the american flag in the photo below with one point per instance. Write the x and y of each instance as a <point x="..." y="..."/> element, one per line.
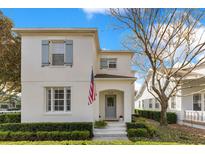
<point x="91" y="96"/>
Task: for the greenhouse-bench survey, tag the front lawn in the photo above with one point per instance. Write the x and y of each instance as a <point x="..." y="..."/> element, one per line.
<point x="172" y="133"/>
<point x="118" y="142"/>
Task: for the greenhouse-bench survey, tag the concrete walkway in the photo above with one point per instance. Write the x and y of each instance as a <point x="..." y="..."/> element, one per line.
<point x="113" y="131"/>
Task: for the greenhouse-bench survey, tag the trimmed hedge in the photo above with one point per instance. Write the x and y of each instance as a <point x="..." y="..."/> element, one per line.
<point x="155" y="115"/>
<point x="151" y="130"/>
<point x="100" y="124"/>
<point x="131" y="125"/>
<point x="44" y="136"/>
<point x="10" y="118"/>
<point x="34" y="127"/>
<point x="139" y="132"/>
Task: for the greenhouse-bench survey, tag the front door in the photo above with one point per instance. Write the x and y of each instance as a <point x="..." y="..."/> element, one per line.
<point x="110" y="107"/>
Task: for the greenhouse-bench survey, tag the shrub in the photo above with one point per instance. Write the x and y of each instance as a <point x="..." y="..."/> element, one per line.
<point x="131" y="125"/>
<point x="151" y="130"/>
<point x="100" y="124"/>
<point x="80" y="135"/>
<point x="10" y="118"/>
<point x="134" y="116"/>
<point x="138" y="132"/>
<point x="34" y="127"/>
<point x="43" y="136"/>
<point x="171" y="118"/>
<point x="155" y="115"/>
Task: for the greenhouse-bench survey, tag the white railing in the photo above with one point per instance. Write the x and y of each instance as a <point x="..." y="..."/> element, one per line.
<point x="4" y="112"/>
<point x="198" y="116"/>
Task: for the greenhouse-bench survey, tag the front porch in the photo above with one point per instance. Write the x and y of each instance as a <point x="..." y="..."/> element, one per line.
<point x="111" y="105"/>
<point x="194" y="118"/>
<point x="114" y="100"/>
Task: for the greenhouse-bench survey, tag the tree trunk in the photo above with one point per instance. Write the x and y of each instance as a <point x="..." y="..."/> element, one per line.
<point x="163" y="115"/>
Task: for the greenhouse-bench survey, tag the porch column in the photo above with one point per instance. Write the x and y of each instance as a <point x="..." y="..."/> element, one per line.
<point x="127" y="105"/>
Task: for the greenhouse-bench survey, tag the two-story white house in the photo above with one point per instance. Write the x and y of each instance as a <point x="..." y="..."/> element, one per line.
<point x="56" y="66"/>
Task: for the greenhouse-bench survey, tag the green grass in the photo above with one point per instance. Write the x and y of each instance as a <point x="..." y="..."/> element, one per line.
<point x="118" y="142"/>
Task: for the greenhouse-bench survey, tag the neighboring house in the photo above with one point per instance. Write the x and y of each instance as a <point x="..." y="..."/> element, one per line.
<point x="13" y="103"/>
<point x="56" y="66"/>
<point x="189" y="102"/>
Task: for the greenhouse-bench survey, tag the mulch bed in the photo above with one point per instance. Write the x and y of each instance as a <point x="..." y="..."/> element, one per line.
<point x="195" y="131"/>
<point x="183" y="128"/>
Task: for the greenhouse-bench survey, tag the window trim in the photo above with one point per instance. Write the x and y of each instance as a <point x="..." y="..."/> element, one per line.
<point x="65" y="111"/>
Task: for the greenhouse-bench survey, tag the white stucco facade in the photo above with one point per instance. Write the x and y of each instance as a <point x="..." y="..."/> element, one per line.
<point x="36" y="78"/>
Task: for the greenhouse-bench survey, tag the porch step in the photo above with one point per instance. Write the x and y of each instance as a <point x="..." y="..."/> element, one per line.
<point x="113" y="130"/>
<point x="110" y="134"/>
<point x="113" y="138"/>
<point x="116" y="124"/>
<point x="110" y="129"/>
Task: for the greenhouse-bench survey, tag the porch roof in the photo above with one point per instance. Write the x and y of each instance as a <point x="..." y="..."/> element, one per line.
<point x="113" y="76"/>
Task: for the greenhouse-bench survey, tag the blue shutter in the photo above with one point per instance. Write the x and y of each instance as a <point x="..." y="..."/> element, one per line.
<point x="45" y="53"/>
<point x="69" y="52"/>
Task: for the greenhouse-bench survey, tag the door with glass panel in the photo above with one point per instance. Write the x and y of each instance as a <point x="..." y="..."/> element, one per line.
<point x="110" y="107"/>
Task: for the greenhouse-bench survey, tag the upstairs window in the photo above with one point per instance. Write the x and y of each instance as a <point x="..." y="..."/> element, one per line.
<point x="108" y="63"/>
<point x="57" y="51"/>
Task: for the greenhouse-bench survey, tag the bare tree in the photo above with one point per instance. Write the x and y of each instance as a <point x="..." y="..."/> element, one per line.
<point x="169" y="43"/>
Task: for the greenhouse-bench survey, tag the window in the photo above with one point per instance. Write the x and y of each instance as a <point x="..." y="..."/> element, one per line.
<point x="58" y="99"/>
<point x="139" y="104"/>
<point x="156" y="104"/>
<point x="173" y="102"/>
<point x="112" y="63"/>
<point x="197" y="102"/>
<point x="57" y="52"/>
<point x="150" y="103"/>
<point x="142" y="103"/>
<point x="108" y="63"/>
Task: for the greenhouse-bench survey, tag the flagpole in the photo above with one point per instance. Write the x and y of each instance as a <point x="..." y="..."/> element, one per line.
<point x="94" y="99"/>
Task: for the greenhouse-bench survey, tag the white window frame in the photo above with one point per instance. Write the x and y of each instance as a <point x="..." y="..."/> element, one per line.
<point x="108" y="61"/>
<point x="150" y="103"/>
<point x="51" y="42"/>
<point x="156" y="102"/>
<point x="143" y="101"/>
<point x="173" y="100"/>
<point x="52" y="100"/>
<point x="202" y="101"/>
